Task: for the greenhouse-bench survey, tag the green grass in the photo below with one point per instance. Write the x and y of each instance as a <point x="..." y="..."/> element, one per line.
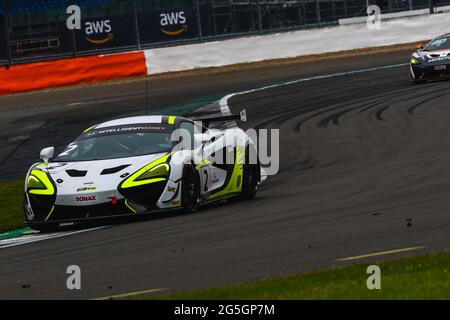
<point x="11" y="200"/>
<point x="424" y="277"/>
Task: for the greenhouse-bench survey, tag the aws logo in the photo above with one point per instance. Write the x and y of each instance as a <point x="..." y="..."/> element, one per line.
<point x="173" y="23"/>
<point x="99" y="32"/>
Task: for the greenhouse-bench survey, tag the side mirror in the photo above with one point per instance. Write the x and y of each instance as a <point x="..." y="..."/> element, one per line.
<point x="47" y="154"/>
<point x="420" y="47"/>
<point x="243" y="115"/>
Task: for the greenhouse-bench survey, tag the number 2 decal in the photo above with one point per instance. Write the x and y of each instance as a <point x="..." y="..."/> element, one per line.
<point x="68" y="150"/>
<point x="206" y="180"/>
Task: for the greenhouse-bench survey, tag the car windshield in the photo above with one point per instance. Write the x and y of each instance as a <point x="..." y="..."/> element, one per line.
<point x="119" y="142"/>
<point x="441" y="43"/>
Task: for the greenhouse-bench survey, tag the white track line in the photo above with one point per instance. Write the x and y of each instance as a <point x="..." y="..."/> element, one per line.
<point x="225" y="108"/>
<point x="40" y="237"/>
<point x="131" y="294"/>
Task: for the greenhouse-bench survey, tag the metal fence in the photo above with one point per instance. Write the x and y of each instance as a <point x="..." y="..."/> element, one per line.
<point x="32" y="30"/>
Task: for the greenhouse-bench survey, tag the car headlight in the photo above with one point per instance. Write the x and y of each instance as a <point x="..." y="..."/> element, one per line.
<point x="156" y="171"/>
<point x="415" y="61"/>
<point x="34" y="183"/>
<point x="160" y="171"/>
<point x="39" y="183"/>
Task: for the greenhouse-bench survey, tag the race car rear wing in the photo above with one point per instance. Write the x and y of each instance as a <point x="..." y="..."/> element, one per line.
<point x="242" y="116"/>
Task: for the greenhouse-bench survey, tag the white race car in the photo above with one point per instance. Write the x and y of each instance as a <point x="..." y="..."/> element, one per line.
<point x="140" y="165"/>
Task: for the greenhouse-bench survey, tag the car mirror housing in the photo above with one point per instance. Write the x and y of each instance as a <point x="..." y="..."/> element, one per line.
<point x="420" y="46"/>
<point x="47" y="153"/>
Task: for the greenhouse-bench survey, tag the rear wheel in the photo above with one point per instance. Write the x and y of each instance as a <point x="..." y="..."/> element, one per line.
<point x="250" y="179"/>
<point x="190" y="189"/>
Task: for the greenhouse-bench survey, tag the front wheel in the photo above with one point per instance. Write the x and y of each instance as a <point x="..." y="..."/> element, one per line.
<point x="418" y="81"/>
<point x="190" y="189"/>
<point x="45" y="228"/>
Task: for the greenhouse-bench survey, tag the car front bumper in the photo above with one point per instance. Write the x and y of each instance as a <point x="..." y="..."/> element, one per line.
<point x="430" y="72"/>
<point x="53" y="209"/>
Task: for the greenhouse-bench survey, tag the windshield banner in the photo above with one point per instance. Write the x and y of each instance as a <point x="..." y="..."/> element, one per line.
<point x="128" y="129"/>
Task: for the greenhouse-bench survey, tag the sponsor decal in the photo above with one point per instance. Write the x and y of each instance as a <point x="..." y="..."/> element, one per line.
<point x="439" y="42"/>
<point x="86" y="189"/>
<point x="173" y="23"/>
<point x="440" y="67"/>
<point x="150" y="128"/>
<point x="438" y="59"/>
<point x="99" y="32"/>
<point x="86" y="198"/>
<point x="171" y="189"/>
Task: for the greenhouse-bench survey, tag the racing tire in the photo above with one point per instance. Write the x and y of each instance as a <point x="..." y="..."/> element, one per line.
<point x="45" y="228"/>
<point x="190" y="189"/>
<point x="250" y="179"/>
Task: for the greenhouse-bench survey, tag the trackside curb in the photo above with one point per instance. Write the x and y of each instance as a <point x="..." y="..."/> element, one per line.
<point x="14" y="234"/>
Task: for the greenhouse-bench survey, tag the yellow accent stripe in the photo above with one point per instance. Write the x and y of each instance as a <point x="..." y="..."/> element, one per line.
<point x="235" y="184"/>
<point x="130" y="182"/>
<point x="129" y="207"/>
<point x="90" y="128"/>
<point x="172" y="119"/>
<point x="42" y="176"/>
<point x="50" y="213"/>
<point x="131" y="294"/>
<point x="202" y="164"/>
<point x="382" y="253"/>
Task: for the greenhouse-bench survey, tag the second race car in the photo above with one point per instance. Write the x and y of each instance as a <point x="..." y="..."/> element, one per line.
<point x="431" y="61"/>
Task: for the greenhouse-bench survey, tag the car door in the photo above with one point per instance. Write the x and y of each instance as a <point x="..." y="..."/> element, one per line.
<point x="220" y="158"/>
<point x="201" y="160"/>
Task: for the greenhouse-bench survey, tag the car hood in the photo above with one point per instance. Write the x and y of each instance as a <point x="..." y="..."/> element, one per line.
<point x="434" y="57"/>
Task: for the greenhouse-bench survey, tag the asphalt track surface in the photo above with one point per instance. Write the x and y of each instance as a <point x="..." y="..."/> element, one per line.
<point x="364" y="169"/>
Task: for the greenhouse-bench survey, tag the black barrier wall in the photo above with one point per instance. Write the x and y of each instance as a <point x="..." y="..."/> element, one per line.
<point x="36" y="30"/>
<point x="3" y="39"/>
